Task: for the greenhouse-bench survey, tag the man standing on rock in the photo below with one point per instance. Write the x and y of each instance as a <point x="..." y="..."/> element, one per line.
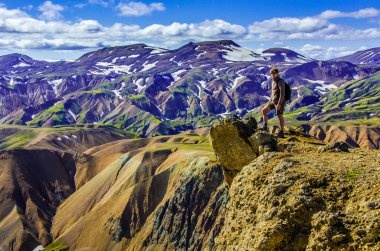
<point x="277" y="101"/>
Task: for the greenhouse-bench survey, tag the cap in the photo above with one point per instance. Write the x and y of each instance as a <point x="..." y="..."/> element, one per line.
<point x="273" y="70"/>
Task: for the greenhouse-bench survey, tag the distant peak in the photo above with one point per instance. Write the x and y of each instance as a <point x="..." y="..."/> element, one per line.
<point x="279" y="50"/>
<point x="219" y="42"/>
<point x="17" y="57"/>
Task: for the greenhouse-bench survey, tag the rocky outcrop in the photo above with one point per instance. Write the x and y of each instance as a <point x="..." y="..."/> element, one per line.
<point x="169" y="193"/>
<point x="236" y="143"/>
<point x="230" y="143"/>
<point x="307" y="201"/>
<point x="156" y="193"/>
<point x="192" y="218"/>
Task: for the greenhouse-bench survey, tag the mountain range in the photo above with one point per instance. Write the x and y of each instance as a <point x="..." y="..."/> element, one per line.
<point x="153" y="91"/>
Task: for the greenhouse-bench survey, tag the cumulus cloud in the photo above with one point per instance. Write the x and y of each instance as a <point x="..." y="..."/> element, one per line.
<point x="50" y="11"/>
<point x="28" y="7"/>
<point x="5" y="13"/>
<point x="323" y="53"/>
<point x="206" y="29"/>
<point x="138" y="8"/>
<point x="100" y="2"/>
<point x="19" y="30"/>
<point x="363" y="13"/>
<point x="277" y="29"/>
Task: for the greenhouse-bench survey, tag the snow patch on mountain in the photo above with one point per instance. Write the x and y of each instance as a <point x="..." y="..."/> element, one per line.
<point x="72" y="115"/>
<point x="147" y="66"/>
<point x="54" y="84"/>
<point x="298" y="59"/>
<point x="139" y="85"/>
<point x="239" y="54"/>
<point x="21" y="64"/>
<point x="176" y="74"/>
<point x="156" y="50"/>
<point x="109" y="67"/>
<point x="324" y="88"/>
<point x="117" y="91"/>
<point x="315" y="81"/>
<point x="236" y="81"/>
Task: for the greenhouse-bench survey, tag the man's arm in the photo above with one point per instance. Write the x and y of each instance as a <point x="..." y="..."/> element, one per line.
<point x="281" y="86"/>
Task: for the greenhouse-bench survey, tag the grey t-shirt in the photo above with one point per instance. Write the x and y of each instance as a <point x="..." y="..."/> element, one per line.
<point x="278" y="91"/>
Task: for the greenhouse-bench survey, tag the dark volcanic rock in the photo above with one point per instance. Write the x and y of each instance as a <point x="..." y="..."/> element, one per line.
<point x="184" y="221"/>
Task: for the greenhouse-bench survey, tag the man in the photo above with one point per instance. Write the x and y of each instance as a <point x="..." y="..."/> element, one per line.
<point x="277" y="101"/>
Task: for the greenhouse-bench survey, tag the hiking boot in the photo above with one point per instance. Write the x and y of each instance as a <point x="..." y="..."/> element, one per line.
<point x="280" y="134"/>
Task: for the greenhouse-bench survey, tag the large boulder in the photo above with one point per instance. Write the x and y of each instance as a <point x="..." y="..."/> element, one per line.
<point x="230" y="143"/>
<point x="236" y="143"/>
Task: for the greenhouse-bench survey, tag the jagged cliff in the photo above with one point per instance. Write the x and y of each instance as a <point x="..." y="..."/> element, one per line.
<point x="179" y="193"/>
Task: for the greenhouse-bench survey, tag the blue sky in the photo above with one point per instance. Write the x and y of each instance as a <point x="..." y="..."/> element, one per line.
<point x="53" y="30"/>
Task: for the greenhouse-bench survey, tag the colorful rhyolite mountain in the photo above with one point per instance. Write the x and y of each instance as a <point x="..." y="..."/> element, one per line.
<point x="157" y="91"/>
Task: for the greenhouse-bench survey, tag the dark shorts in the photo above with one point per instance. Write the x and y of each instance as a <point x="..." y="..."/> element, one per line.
<point x="272" y="106"/>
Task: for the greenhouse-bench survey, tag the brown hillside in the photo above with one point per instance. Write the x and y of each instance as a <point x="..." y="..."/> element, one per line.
<point x="32" y="185"/>
<point x="354" y="136"/>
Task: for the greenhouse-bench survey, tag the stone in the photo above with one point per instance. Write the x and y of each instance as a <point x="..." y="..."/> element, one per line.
<point x="335" y="147"/>
<point x="232" y="148"/>
<point x="262" y="142"/>
<point x="338" y="238"/>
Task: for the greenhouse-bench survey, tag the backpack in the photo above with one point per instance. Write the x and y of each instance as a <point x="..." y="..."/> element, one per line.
<point x="288" y="92"/>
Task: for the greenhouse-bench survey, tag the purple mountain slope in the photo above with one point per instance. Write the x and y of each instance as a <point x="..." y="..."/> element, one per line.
<point x="150" y="90"/>
<point x="370" y="57"/>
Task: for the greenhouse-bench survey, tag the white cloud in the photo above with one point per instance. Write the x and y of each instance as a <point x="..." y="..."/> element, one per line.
<point x="28" y="7"/>
<point x="21" y="31"/>
<point x="288" y="24"/>
<point x="5" y="13"/>
<point x="100" y="2"/>
<point x="80" y="5"/>
<point x="50" y="11"/>
<point x="311" y="28"/>
<point x="206" y="29"/>
<point x="323" y="53"/>
<point x="139" y="8"/>
<point x="363" y="13"/>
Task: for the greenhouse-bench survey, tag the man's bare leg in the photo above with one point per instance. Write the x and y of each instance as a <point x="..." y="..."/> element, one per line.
<point x="265" y="111"/>
<point x="282" y="121"/>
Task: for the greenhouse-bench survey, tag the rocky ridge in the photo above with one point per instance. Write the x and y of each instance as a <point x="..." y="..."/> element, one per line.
<point x="178" y="193"/>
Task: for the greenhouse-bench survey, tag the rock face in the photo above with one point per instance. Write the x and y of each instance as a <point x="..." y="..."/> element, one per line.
<point x="192" y="218"/>
<point x="163" y="193"/>
<point x="305" y="201"/>
<point x="236" y="143"/>
<point x="169" y="193"/>
<point x="230" y="143"/>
